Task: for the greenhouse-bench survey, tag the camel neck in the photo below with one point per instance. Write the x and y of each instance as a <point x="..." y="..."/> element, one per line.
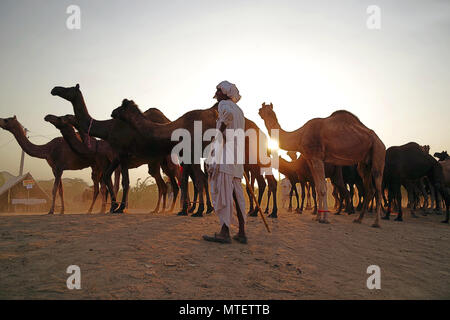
<point x="33" y="150"/>
<point x="86" y="123"/>
<point x="155" y="131"/>
<point x="74" y="140"/>
<point x="287" y="140"/>
<point x="283" y="165"/>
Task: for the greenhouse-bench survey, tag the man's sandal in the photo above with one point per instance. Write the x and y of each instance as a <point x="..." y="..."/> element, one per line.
<point x="215" y="238"/>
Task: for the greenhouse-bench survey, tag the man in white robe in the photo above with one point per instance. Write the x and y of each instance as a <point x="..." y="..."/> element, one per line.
<point x="227" y="168"/>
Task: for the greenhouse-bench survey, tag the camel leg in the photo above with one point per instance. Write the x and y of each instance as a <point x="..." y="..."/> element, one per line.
<point x="298" y="202"/>
<point x="104" y="196"/>
<point x="162" y="188"/>
<point x="272" y="184"/>
<point x="337" y="201"/>
<point x="200" y="183"/>
<point x="194" y="201"/>
<point x="261" y="188"/>
<point x="125" y="185"/>
<point x="314" y="196"/>
<point x="365" y="173"/>
<point x="398" y="198"/>
<point x="116" y="180"/>
<point x="95" y="176"/>
<point x="308" y="196"/>
<point x="377" y="176"/>
<point x="338" y="181"/>
<point x="94" y="198"/>
<point x="318" y="172"/>
<point x="106" y="177"/>
<point x="290" y="198"/>
<point x="96" y="191"/>
<point x="57" y="175"/>
<point x="360" y="186"/>
<point x="269" y="194"/>
<point x="352" y="194"/>
<point x="184" y="190"/>
<point x="209" y="206"/>
<point x="61" y="195"/>
<point x="302" y="185"/>
<point x="175" y="190"/>
<point x="248" y="188"/>
<point x="425" y="195"/>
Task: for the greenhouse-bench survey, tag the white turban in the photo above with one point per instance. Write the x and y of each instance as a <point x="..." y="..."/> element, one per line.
<point x="230" y="90"/>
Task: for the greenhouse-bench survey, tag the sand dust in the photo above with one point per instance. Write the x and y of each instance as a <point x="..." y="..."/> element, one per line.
<point x="143" y="256"/>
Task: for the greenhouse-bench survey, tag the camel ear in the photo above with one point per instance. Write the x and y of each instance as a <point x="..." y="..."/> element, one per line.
<point x="271" y="106"/>
<point x="15" y="118"/>
<point x="77" y="86"/>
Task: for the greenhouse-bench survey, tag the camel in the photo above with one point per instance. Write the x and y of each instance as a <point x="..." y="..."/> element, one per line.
<point x="409" y="162"/>
<point x="128" y="145"/>
<point x="293" y="155"/>
<point x="352" y="179"/>
<point x="286" y="188"/>
<point x="154" y="168"/>
<point x="304" y="175"/>
<point x="253" y="171"/>
<point x="444" y="161"/>
<point x="289" y="171"/>
<point x="442" y="156"/>
<point x="56" y="152"/>
<point x="340" y="139"/>
<point x="159" y="137"/>
<point x="99" y="160"/>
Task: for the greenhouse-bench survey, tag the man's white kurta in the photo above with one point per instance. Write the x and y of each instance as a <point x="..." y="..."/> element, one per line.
<point x="228" y="174"/>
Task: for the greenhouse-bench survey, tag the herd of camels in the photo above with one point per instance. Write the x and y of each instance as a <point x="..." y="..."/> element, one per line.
<point x="339" y="147"/>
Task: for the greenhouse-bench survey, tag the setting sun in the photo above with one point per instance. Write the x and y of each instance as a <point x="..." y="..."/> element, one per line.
<point x="273" y="144"/>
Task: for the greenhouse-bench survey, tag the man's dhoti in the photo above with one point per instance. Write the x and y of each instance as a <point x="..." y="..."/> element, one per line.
<point x="222" y="186"/>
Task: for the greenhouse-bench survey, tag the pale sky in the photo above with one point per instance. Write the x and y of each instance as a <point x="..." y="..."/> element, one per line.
<point x="309" y="58"/>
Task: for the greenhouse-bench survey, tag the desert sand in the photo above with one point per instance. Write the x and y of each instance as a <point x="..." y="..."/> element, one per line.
<point x="162" y="256"/>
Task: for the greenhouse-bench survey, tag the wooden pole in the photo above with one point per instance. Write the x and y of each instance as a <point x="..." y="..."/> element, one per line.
<point x="256" y="202"/>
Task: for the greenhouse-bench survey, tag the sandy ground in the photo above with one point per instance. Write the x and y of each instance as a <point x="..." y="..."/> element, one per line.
<point x="143" y="256"/>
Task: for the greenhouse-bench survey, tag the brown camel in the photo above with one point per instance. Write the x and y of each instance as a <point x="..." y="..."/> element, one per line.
<point x="99" y="155"/>
<point x="409" y="162"/>
<point x="154" y="167"/>
<point x="129" y="147"/>
<point x="159" y="136"/>
<point x="341" y="139"/>
<point x="293" y="155"/>
<point x="444" y="161"/>
<point x="56" y="152"/>
<point x="254" y="172"/>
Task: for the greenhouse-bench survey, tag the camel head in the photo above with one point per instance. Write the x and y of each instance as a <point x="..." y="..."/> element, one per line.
<point x="9" y="123"/>
<point x="442" y="155"/>
<point x="70" y="119"/>
<point x="58" y="122"/>
<point x="267" y="114"/>
<point x="68" y="94"/>
<point x="126" y="110"/>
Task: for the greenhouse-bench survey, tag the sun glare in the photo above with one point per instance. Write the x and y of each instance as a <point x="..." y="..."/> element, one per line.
<point x="273" y="144"/>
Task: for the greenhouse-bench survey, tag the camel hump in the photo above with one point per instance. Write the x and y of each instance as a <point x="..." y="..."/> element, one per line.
<point x="345" y="113"/>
